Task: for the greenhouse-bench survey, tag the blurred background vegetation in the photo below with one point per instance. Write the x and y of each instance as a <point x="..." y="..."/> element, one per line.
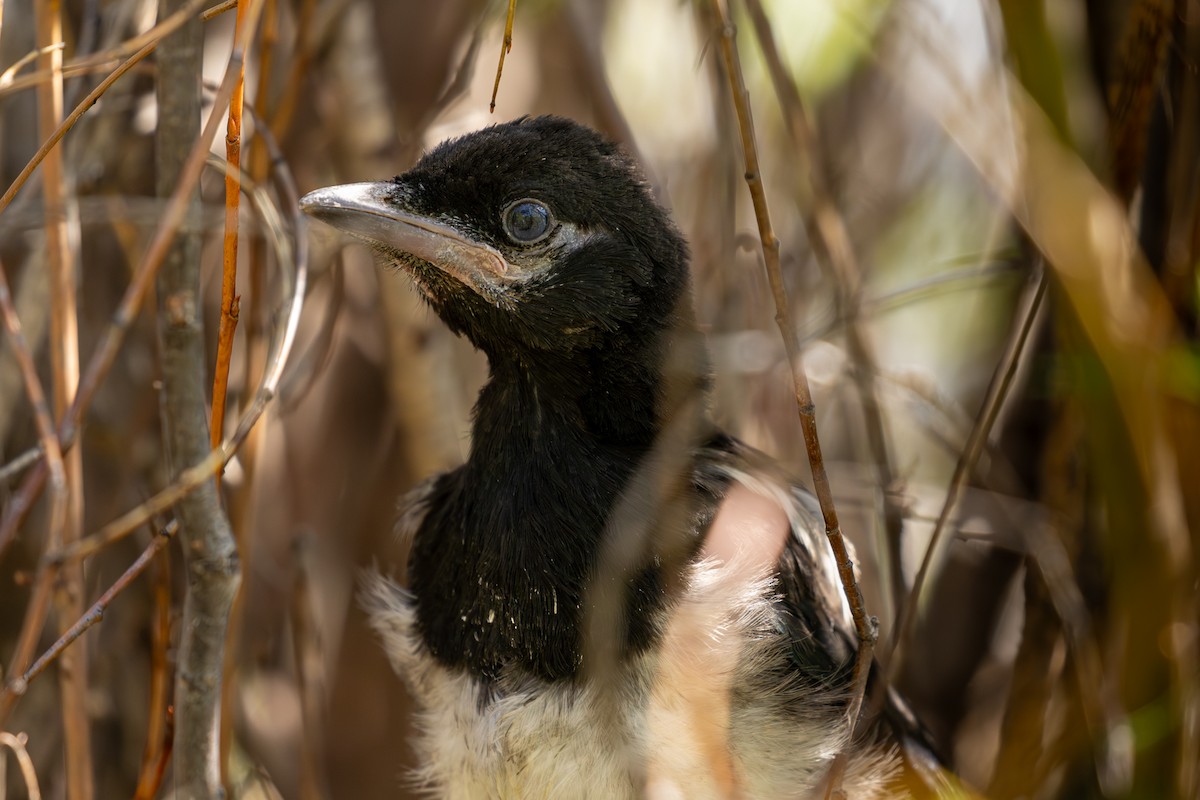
<point x="989" y="224"/>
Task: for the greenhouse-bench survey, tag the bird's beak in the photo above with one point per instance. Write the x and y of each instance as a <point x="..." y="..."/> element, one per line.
<point x="367" y="210"/>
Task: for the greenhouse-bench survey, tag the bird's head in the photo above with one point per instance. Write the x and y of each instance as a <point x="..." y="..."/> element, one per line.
<point x="532" y="238"/>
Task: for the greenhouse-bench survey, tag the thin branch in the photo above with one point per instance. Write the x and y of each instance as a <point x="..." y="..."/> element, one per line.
<point x="865" y="627"/>
<point x="96" y="613"/>
<point x="505" y="49"/>
<point x="830" y="240"/>
<point x="7" y="77"/>
<point x="42" y="416"/>
<point x="212" y="570"/>
<point x="295" y="286"/>
<point x="229" y="297"/>
<point x="19" y="463"/>
<point x="104" y="59"/>
<point x="219" y="9"/>
<point x="64" y="368"/>
<point x="39" y="602"/>
<point x="110" y="344"/>
<point x="997" y="393"/>
<point x="69" y="122"/>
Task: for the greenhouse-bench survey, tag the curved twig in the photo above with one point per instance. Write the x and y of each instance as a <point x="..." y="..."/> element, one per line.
<point x="17" y="743"/>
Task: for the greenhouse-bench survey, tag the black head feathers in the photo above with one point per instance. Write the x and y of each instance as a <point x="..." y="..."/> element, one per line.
<point x="536" y="235"/>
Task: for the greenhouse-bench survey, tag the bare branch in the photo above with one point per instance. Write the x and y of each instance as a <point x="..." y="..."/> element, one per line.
<point x="865" y="627"/>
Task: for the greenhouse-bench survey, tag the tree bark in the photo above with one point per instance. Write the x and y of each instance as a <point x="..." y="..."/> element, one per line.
<point x="208" y="546"/>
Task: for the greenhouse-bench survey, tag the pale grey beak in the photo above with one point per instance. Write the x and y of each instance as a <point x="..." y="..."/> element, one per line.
<point x="367" y="211"/>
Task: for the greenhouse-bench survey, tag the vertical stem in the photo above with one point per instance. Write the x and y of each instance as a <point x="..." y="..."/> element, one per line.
<point x="864" y="626"/>
<point x="830" y="240"/>
<point x="64" y="360"/>
<point x="208" y="546"/>
<point x="233" y="193"/>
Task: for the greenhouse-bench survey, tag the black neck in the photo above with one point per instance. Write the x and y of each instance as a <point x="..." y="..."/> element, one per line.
<point x="502" y="560"/>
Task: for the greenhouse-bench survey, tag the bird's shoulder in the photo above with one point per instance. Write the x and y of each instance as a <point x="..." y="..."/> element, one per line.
<point x="814" y="606"/>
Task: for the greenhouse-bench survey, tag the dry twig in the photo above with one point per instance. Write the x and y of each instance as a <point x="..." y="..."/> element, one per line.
<point x="96" y="613"/>
<point x="104" y="59"/>
<point x="997" y="393"/>
<point x="64" y="368"/>
<point x="106" y="352"/>
<point x="160" y="723"/>
<point x="229" y="298"/>
<point x="16" y="743"/>
<point x="830" y="240"/>
<point x="35" y="613"/>
<point x="865" y="627"/>
<point x="505" y="49"/>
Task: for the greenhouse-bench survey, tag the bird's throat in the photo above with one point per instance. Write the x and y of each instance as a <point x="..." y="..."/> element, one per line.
<point x="502" y="562"/>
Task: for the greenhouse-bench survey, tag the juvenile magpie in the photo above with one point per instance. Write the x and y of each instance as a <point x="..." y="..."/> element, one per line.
<point x="611" y="598"/>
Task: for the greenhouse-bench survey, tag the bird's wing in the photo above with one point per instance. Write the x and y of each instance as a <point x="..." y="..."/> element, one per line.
<point x="818" y="617"/>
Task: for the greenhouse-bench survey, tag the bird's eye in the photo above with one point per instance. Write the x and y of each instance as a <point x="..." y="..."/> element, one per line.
<point x="527" y="221"/>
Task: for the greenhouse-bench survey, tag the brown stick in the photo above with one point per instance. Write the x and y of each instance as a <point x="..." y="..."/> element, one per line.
<point x="102" y="59"/>
<point x="865" y="627"/>
<point x="17" y="743"/>
<point x="213" y="571"/>
<point x="106" y="352"/>
<point x="96" y="613"/>
<point x="997" y="392"/>
<point x="505" y="49"/>
<point x="233" y="193"/>
<point x="831" y="243"/>
<point x="53" y="139"/>
<point x="158" y="727"/>
<point x="64" y="367"/>
<point x="39" y="604"/>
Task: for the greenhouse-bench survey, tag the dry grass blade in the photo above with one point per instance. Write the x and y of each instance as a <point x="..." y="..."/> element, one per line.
<point x="505" y="49"/>
<point x="865" y="627"/>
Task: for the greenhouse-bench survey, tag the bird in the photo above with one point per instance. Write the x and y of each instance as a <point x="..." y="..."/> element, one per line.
<point x="611" y="597"/>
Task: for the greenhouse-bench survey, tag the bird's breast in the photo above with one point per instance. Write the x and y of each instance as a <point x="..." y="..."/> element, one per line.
<point x="713" y="710"/>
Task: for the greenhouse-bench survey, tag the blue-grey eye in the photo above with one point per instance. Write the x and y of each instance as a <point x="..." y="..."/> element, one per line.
<point x="527" y="221"/>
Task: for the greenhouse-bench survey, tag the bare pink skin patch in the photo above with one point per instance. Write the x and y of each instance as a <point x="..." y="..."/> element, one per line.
<point x="689" y="712"/>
